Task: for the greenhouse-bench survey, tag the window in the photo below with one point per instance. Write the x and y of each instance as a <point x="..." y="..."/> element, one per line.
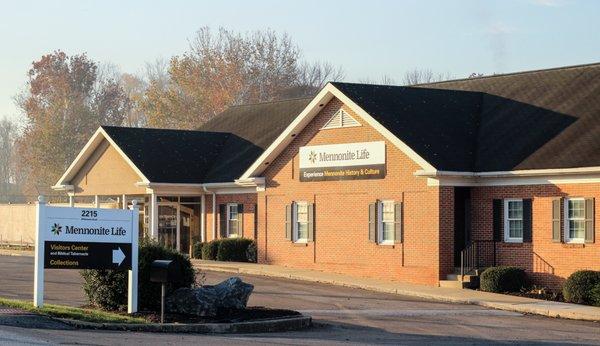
<point x="387" y="222"/>
<point x="232" y="220"/>
<point x="574" y="220"/>
<point x="513" y="220"/>
<point x="341" y="119"/>
<point x="301" y="222"/>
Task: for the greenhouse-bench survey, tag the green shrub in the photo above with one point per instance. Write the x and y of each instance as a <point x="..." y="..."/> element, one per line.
<point x="210" y="249"/>
<point x="579" y="286"/>
<point x="503" y="279"/>
<point x="251" y="252"/>
<point x="595" y="295"/>
<point x="197" y="249"/>
<point x="107" y="289"/>
<point x="233" y="250"/>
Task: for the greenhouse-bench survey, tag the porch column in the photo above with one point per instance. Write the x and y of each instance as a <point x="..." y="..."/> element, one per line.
<point x="202" y="218"/>
<point x="71" y="201"/>
<point x="124" y="202"/>
<point x="96" y="201"/>
<point x="153" y="219"/>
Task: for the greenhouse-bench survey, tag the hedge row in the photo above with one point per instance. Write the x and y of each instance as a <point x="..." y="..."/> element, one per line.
<point x="230" y="249"/>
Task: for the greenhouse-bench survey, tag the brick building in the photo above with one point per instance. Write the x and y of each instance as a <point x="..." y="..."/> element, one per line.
<point x="403" y="183"/>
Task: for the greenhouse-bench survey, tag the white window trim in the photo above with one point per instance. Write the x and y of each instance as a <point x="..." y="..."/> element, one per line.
<point x="507" y="237"/>
<point x="295" y="222"/>
<point x="229" y="205"/>
<point x="380" y="240"/>
<point x="567" y="239"/>
<point x="327" y="125"/>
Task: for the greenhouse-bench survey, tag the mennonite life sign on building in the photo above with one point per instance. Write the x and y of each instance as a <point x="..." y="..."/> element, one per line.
<point x="86" y="238"/>
<point x="350" y="161"/>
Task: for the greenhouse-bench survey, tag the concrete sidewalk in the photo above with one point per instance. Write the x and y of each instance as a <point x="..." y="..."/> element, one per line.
<point x="463" y="296"/>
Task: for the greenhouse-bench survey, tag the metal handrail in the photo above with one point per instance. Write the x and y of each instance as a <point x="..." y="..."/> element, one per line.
<point x="471" y="256"/>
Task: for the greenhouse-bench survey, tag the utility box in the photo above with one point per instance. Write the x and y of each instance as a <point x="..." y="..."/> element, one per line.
<point x="164" y="271"/>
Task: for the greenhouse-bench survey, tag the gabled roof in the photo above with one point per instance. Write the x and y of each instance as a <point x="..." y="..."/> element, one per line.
<point x="437" y="124"/>
<point x="219" y="151"/>
<point x="536" y="120"/>
<point x="253" y="127"/>
<point x="170" y="156"/>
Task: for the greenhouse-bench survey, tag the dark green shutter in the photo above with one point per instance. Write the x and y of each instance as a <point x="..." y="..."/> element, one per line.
<point x="556" y="219"/>
<point x="223" y="220"/>
<point x="240" y="227"/>
<point x="589" y="220"/>
<point x="527" y="220"/>
<point x="398" y="223"/>
<point x="311" y="222"/>
<point x="373" y="222"/>
<point x="497" y="219"/>
<point x="288" y="222"/>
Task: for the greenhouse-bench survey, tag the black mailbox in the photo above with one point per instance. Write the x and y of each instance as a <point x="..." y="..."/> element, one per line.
<point x="164" y="271"/>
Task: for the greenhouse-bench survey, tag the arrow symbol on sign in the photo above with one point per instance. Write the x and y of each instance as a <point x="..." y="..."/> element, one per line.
<point x="118" y="256"/>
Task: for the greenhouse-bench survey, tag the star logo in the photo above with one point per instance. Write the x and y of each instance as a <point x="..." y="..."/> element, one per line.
<point x="312" y="157"/>
<point x="56" y="229"/>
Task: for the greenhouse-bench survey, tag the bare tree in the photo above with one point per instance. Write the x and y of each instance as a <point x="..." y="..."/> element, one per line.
<point x="424" y="76"/>
<point x="225" y="68"/>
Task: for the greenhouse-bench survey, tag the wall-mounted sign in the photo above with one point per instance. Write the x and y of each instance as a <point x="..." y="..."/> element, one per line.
<point x="349" y="161"/>
<point x="86" y="238"/>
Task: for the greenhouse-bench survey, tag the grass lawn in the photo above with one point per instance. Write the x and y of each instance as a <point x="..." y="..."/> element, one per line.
<point x="89" y="315"/>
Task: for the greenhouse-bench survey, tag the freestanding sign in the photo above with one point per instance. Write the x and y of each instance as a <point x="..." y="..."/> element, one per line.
<point x="349" y="161"/>
<point x="86" y="238"/>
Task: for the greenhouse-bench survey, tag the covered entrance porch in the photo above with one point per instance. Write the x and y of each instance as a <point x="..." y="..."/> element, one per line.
<point x="175" y="221"/>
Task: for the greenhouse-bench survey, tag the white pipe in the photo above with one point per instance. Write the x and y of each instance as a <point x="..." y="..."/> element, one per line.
<point x="214" y="206"/>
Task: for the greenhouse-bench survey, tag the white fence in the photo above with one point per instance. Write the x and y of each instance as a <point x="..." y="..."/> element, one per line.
<point x="17" y="224"/>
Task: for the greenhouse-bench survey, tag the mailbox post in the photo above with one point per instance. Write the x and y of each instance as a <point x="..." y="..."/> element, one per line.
<point x="163" y="272"/>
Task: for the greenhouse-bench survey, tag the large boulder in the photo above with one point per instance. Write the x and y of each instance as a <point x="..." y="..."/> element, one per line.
<point x="232" y="293"/>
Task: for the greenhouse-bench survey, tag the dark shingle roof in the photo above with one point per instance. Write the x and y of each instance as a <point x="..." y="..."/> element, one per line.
<point x="530" y="120"/>
<point x="169" y="156"/>
<point x="219" y="151"/>
<point x="438" y="125"/>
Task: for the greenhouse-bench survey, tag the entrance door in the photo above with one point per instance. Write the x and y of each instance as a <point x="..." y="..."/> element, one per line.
<point x="185" y="227"/>
<point x="167" y="225"/>
<point x="462" y="221"/>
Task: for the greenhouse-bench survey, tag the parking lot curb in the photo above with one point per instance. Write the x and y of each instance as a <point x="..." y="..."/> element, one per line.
<point x="262" y="326"/>
<point x="457" y="296"/>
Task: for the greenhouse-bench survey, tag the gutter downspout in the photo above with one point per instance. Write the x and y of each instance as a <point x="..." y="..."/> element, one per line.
<point x="214" y="206"/>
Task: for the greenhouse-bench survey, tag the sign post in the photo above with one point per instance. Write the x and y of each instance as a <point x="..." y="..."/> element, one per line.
<point x="86" y="238"/>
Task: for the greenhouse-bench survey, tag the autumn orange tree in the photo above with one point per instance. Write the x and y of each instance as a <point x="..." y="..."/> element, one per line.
<point x="227" y="68"/>
<point x="64" y="103"/>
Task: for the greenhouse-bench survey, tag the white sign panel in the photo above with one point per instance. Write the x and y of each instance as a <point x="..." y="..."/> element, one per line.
<point x="88" y="225"/>
<point x="349" y="161"/>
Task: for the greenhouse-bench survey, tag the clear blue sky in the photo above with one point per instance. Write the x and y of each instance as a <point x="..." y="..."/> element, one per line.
<point x="368" y="38"/>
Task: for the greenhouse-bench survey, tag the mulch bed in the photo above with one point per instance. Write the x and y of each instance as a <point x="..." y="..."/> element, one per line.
<point x="230" y="316"/>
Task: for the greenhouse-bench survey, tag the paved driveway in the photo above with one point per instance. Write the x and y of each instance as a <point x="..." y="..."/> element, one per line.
<point x="341" y="314"/>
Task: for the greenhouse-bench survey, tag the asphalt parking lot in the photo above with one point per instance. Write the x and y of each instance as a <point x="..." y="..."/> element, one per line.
<point x="341" y="315"/>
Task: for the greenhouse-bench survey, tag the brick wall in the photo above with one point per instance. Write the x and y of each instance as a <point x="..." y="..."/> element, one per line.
<point x="547" y="262"/>
<point x="341" y="216"/>
<point x="247" y="199"/>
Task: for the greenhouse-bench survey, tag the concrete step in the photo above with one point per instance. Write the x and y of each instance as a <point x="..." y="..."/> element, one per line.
<point x="454" y="284"/>
<point x="465" y="278"/>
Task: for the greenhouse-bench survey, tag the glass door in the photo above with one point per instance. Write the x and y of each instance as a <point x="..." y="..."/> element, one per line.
<point x="167" y="225"/>
<point x="185" y="227"/>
